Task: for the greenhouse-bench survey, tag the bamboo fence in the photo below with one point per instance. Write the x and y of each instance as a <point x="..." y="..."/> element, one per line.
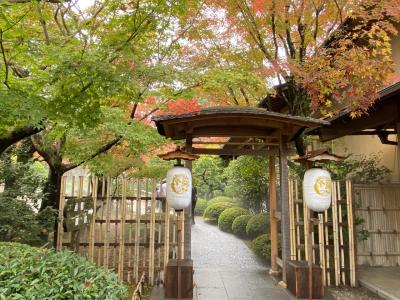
<point x="333" y="236"/>
<point x="119" y="223"/>
<point x="378" y="216"/>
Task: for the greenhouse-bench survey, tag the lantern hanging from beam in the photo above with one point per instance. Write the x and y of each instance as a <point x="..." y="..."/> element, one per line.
<point x="179" y="187"/>
<point x="179" y="179"/>
<point x="317" y="189"/>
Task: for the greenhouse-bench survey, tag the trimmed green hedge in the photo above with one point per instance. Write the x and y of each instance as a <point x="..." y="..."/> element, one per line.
<point x="225" y="220"/>
<point x="213" y="211"/>
<point x="33" y="273"/>
<point x="262" y="245"/>
<point x="220" y="199"/>
<point x="201" y="206"/>
<point x="257" y="225"/>
<point x="239" y="225"/>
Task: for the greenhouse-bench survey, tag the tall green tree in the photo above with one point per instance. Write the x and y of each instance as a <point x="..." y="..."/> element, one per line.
<point x="208" y="176"/>
<point x="247" y="181"/>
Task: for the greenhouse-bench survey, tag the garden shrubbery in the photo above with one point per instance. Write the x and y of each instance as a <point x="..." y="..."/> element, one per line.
<point x="226" y="218"/>
<point x="201" y="206"/>
<point x="220" y="199"/>
<point x="262" y="245"/>
<point x="33" y="273"/>
<point x="239" y="225"/>
<point x="257" y="225"/>
<point x="213" y="211"/>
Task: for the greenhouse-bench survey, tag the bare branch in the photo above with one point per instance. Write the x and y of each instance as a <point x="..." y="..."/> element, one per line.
<point x="4" y="59"/>
<point x="43" y="23"/>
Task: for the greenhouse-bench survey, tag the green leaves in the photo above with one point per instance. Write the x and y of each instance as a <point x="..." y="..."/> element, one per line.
<point x="32" y="273"/>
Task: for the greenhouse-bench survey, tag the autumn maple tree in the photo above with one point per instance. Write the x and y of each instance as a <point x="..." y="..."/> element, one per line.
<point x="320" y="55"/>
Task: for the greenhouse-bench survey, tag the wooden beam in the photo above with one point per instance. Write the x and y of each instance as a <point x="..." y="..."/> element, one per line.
<point x="236" y="143"/>
<point x="284" y="192"/>
<point x="234" y="151"/>
<point x="230" y="132"/>
<point x="273" y="221"/>
<point x="379" y="116"/>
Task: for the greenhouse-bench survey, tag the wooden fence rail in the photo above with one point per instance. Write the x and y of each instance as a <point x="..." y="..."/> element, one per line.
<point x="119" y="223"/>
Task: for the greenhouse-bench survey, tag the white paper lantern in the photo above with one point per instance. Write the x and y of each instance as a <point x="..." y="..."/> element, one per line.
<point x="317" y="189"/>
<point x="179" y="187"/>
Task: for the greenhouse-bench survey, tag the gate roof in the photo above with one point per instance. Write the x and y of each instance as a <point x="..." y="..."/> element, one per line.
<point x="244" y="126"/>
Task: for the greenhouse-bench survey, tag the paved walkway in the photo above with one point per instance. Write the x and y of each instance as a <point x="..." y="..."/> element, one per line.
<point x="226" y="269"/>
<point x="384" y="281"/>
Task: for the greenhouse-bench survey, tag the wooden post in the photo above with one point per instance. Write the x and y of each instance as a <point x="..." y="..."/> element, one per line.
<point x="61" y="214"/>
<point x="108" y="215"/>
<point x="272" y="210"/>
<point x="137" y="233"/>
<point x="310" y="253"/>
<point x="284" y="204"/>
<point x="166" y="236"/>
<point x="121" y="254"/>
<point x="152" y="232"/>
<point x="93" y="221"/>
<point x="188" y="211"/>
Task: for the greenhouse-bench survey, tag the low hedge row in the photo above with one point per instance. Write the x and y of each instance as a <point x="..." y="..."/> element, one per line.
<point x="227" y="217"/>
<point x="257" y="225"/>
<point x="213" y="211"/>
<point x="239" y="225"/>
<point x="201" y="206"/>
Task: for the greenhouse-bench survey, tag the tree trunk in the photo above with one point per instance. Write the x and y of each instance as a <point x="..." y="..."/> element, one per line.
<point x="52" y="193"/>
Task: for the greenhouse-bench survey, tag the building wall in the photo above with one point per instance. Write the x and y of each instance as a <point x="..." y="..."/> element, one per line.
<point x="370" y="145"/>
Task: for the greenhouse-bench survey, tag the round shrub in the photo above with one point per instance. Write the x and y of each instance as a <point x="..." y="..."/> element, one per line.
<point x="262" y="245"/>
<point x="225" y="220"/>
<point x="201" y="206"/>
<point x="34" y="273"/>
<point x="239" y="225"/>
<point x="213" y="211"/>
<point x="257" y="225"/>
<point x="219" y="200"/>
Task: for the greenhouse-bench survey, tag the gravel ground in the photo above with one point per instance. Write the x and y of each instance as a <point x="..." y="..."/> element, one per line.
<point x="353" y="294"/>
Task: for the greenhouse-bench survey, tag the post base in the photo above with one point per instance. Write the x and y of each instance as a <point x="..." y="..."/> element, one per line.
<point x="179" y="279"/>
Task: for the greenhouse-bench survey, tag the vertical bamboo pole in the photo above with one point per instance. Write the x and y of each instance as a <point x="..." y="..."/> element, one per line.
<point x="73" y="201"/>
<point x="350" y="222"/>
<point x="81" y="232"/>
<point x="60" y="226"/>
<point x="152" y="232"/>
<point x="174" y="230"/>
<point x="145" y="224"/>
<point x="327" y="254"/>
<point x="130" y="234"/>
<point x="306" y="225"/>
<point x="166" y="236"/>
<point x="121" y="255"/>
<point x="108" y="214"/>
<point x="273" y="220"/>
<point x="335" y="234"/>
<point x="291" y="222"/>
<point x="341" y="240"/>
<point x="298" y="237"/>
<point x="137" y="233"/>
<point x="322" y="246"/>
<point x="103" y="192"/>
<point x="93" y="221"/>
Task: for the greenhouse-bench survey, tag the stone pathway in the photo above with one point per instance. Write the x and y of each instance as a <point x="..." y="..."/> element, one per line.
<point x="226" y="269"/>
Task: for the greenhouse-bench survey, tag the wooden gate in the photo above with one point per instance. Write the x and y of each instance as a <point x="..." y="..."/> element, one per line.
<point x="378" y="215"/>
<point x="333" y="237"/>
<point x="119" y="223"/>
